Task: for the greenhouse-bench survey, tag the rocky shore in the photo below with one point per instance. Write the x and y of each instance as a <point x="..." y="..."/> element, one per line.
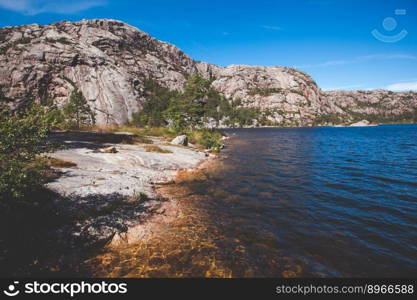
<point x="110" y="195"/>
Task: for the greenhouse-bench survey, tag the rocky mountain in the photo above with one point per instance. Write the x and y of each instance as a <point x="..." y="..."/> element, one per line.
<point x="109" y="62"/>
<point x="376" y="106"/>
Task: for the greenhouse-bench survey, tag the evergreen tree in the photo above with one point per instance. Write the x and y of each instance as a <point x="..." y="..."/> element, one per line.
<point x="77" y="111"/>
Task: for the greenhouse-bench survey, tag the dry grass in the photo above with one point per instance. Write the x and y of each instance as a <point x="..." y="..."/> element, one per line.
<point x="138" y="137"/>
<point x="166" y="133"/>
<point x="190" y="175"/>
<point x="157" y="149"/>
<point x="139" y="131"/>
<point x="135" y="140"/>
<point x="163" y="132"/>
<point x="58" y="163"/>
<point x="204" y="139"/>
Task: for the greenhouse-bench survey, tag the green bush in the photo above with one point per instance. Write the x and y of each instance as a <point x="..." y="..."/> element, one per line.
<point x="22" y="137"/>
<point x="209" y="141"/>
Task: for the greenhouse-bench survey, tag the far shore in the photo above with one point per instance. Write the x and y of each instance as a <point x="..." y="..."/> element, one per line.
<point x="323" y="125"/>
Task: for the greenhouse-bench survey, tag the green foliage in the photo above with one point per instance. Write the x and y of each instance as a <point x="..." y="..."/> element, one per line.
<point x="205" y="138"/>
<point x="24" y="40"/>
<point x="77" y="112"/>
<point x="388" y="117"/>
<point x="22" y="137"/>
<point x="61" y="40"/>
<point x="140" y="197"/>
<point x="265" y="91"/>
<point x="198" y="103"/>
<point x="210" y="140"/>
<point x="328" y="119"/>
<point x="352" y="116"/>
<point x="158" y="100"/>
<point x="187" y="109"/>
<point x="243" y="116"/>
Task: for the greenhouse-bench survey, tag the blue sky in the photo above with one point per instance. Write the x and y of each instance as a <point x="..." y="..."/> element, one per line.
<point x="329" y="39"/>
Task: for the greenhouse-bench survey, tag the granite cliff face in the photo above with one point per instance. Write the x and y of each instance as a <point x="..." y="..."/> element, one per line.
<point x="109" y="61"/>
<point x="376" y="106"/>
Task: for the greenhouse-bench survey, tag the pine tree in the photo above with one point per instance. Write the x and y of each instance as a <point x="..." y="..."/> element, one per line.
<point x="77" y="110"/>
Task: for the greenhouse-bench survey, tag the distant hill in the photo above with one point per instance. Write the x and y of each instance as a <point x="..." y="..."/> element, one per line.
<point x="110" y="61"/>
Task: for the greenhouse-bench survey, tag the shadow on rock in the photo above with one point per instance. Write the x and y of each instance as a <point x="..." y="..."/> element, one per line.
<point x="68" y="231"/>
<point x="89" y="140"/>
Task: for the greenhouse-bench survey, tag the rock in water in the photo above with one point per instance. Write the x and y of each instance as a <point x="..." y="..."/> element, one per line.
<point x="180" y="140"/>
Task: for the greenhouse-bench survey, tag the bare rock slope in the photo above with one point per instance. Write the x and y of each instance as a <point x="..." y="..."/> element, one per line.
<point x="109" y="62"/>
<point x="107" y="194"/>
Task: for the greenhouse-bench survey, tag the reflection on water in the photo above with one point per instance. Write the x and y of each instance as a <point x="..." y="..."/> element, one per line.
<point x="289" y="202"/>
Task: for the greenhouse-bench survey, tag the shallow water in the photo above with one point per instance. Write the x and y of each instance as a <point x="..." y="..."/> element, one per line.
<point x="290" y="202"/>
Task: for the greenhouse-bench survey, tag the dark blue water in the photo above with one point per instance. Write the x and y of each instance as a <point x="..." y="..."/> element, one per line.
<point x="341" y="201"/>
<point x="308" y="202"/>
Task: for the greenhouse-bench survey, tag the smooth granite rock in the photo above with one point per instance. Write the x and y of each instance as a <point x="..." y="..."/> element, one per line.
<point x="181" y="140"/>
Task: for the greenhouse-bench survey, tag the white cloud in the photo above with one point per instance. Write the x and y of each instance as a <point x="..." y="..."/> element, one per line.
<point x="359" y="59"/>
<point x="403" y="86"/>
<point x="271" y="27"/>
<point x="34" y="7"/>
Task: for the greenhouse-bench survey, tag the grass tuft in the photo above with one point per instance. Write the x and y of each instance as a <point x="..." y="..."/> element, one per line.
<point x="153" y="148"/>
<point x="139" y="197"/>
<point x="57" y="162"/>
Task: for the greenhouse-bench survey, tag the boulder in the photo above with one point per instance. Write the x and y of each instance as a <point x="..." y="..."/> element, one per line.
<point x="361" y="123"/>
<point x="181" y="140"/>
<point x="110" y="149"/>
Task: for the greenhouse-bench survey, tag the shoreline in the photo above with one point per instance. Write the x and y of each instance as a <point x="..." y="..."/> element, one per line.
<point x="166" y="214"/>
<point x="153" y="249"/>
<point x="318" y="126"/>
<point x="99" y="201"/>
<point x="112" y="198"/>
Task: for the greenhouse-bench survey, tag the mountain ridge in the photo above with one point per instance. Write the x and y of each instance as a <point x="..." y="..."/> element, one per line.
<point x="109" y="62"/>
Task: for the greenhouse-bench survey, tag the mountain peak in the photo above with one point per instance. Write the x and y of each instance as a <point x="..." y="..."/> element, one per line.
<point x="109" y="61"/>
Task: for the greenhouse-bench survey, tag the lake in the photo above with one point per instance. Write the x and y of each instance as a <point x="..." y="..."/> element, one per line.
<point x="293" y="202"/>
